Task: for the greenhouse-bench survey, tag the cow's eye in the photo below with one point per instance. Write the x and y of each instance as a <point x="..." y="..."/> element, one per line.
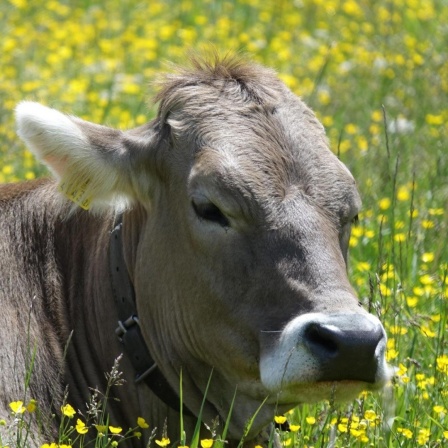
<point x="209" y="212"/>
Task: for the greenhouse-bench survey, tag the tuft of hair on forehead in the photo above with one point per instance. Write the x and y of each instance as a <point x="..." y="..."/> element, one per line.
<point x="233" y="72"/>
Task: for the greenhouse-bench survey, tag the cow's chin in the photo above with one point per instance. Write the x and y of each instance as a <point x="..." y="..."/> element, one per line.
<point x="280" y="402"/>
<point x="333" y="391"/>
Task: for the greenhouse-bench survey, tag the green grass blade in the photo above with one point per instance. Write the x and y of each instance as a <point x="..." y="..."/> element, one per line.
<point x="197" y="430"/>
<point x="220" y="443"/>
<point x="250" y="423"/>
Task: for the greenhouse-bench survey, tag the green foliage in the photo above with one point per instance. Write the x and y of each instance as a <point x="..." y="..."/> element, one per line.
<point x="377" y="75"/>
<point x="73" y="427"/>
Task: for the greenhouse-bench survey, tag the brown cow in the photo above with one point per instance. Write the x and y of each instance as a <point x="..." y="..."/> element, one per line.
<point x="232" y="219"/>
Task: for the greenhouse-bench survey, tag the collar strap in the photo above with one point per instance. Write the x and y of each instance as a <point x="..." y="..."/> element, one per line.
<point x="128" y="330"/>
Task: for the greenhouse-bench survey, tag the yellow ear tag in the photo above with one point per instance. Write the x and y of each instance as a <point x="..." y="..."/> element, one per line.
<point x="76" y="192"/>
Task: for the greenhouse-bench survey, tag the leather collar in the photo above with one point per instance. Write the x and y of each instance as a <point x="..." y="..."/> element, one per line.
<point x="128" y="330"/>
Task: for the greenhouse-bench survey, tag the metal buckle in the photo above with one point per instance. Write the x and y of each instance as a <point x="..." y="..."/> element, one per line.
<point x="123" y="326"/>
<point x="141" y="377"/>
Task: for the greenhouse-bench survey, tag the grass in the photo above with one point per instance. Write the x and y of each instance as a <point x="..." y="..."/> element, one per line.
<point x="377" y="75"/>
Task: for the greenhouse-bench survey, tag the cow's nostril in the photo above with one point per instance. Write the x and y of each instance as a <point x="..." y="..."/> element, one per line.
<point x="321" y="339"/>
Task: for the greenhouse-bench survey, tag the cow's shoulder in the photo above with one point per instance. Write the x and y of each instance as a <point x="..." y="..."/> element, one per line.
<point x="16" y="191"/>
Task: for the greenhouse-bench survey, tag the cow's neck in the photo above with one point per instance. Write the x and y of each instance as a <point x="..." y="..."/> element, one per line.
<point x="128" y="330"/>
<point x="82" y="247"/>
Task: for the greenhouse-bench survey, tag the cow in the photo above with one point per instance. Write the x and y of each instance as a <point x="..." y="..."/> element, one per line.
<point x="209" y="244"/>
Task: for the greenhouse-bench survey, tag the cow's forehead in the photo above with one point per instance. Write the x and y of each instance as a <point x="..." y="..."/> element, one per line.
<point x="240" y="122"/>
<point x="274" y="156"/>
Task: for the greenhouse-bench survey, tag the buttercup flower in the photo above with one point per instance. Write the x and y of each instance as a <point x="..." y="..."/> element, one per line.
<point x="17" y="407"/>
<point x="141" y="422"/>
<point x="164" y="442"/>
<point x="81" y="427"/>
<point x="68" y="411"/>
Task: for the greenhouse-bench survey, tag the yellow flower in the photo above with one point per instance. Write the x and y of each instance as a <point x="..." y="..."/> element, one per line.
<point x="426" y="279"/>
<point x="363" y="438"/>
<point x="402" y="369"/>
<point x="418" y="291"/>
<point x="403" y="193"/>
<point x="353" y="242"/>
<point x="406" y="432"/>
<point x="357" y="432"/>
<point x="32" y="405"/>
<point x="442" y="363"/>
<point x="8" y="169"/>
<point x="49" y="445"/>
<point x="207" y="443"/>
<point x="377" y="115"/>
<point x="369" y="415"/>
<point x="427" y="332"/>
<point x="352" y="8"/>
<point x="374" y="129"/>
<point x="423" y="436"/>
<point x="310" y="420"/>
<point x="294" y="428"/>
<point x="17" y="407"/>
<point x="351" y="128"/>
<point x="391" y="354"/>
<point x="141" y="422"/>
<point x="398" y="330"/>
<point x="369" y="233"/>
<point x="164" y="442"/>
<point x="434" y="120"/>
<point x="384" y="203"/>
<point x="385" y="291"/>
<point x="439" y="409"/>
<point x="280" y="419"/>
<point x="363" y="266"/>
<point x="68" y="411"/>
<point x="101" y="428"/>
<point x="81" y="427"/>
<point x="115" y="429"/>
<point x="427" y="257"/>
<point x="436" y="211"/>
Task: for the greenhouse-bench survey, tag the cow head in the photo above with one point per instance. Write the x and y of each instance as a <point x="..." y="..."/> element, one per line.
<point x="242" y="228"/>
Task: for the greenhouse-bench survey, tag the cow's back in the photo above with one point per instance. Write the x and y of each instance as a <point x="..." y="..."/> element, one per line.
<point x="29" y="292"/>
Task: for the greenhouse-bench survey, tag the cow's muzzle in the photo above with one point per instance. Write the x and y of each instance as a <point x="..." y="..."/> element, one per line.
<point x="325" y="348"/>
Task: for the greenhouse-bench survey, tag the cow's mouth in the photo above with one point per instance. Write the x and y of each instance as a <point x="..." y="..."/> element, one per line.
<point x="333" y="391"/>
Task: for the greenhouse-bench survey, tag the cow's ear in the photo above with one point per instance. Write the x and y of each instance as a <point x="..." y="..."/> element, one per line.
<point x="95" y="165"/>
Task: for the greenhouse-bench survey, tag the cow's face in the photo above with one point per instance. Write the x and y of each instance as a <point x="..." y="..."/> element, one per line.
<point x="240" y="264"/>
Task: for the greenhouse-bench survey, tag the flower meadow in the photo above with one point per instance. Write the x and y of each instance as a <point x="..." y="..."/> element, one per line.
<point x="375" y="72"/>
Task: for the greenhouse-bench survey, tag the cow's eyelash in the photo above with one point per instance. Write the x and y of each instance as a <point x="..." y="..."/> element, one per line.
<point x="210" y="212"/>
